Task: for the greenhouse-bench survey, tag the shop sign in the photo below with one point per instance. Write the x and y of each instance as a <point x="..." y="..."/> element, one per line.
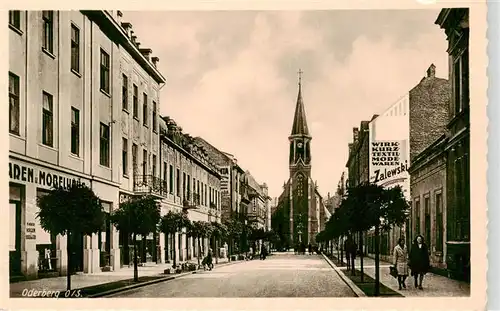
<point x="388" y="160"/>
<point x="30" y="231"/>
<point x="41" y="176"/>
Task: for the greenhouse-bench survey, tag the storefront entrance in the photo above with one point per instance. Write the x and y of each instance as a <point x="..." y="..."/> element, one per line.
<point x="15" y="239"/>
<point x="77" y="246"/>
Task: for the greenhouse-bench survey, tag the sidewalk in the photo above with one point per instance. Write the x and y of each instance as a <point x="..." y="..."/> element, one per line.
<point x="434" y="285"/>
<point x="79" y="281"/>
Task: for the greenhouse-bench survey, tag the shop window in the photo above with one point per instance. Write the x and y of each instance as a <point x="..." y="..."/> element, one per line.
<point x="104" y="237"/>
<point x="45" y="244"/>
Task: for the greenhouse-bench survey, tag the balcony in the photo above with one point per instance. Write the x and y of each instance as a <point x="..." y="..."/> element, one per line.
<point x="191" y="201"/>
<point x="149" y="184"/>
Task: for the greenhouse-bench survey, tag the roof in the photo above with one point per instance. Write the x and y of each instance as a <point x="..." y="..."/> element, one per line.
<point x="299" y="126"/>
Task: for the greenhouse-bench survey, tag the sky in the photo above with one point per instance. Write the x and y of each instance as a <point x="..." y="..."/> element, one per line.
<point x="232" y="77"/>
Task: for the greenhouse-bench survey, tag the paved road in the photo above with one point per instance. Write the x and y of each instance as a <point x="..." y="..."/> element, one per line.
<point x="280" y="275"/>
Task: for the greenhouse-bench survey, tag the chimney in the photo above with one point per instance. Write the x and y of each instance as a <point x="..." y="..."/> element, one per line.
<point x="155" y="60"/>
<point x="137" y="44"/>
<point x="128" y="28"/>
<point x="146" y="52"/>
<point x="119" y="16"/>
<point x="132" y="37"/>
<point x="431" y="72"/>
<point x="355" y="134"/>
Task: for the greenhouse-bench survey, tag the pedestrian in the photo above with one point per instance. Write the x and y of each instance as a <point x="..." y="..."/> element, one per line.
<point x="419" y="260"/>
<point x="302" y="248"/>
<point x="208" y="260"/>
<point x="401" y="262"/>
<point x="347" y="247"/>
<point x="309" y="248"/>
<point x="250" y="253"/>
<point x="263" y="252"/>
<point x="352" y="254"/>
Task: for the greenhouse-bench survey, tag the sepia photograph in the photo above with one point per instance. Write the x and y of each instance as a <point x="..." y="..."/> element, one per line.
<point x="241" y="153"/>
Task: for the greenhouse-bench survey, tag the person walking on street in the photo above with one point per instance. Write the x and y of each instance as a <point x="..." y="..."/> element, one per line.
<point x="401" y="262"/>
<point x="309" y="248"/>
<point x="263" y="252"/>
<point x="347" y="247"/>
<point x="419" y="260"/>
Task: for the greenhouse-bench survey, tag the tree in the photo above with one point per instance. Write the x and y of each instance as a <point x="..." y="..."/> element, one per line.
<point x="219" y="232"/>
<point x="69" y="211"/>
<point x="200" y="229"/>
<point x="373" y="206"/>
<point x="235" y="230"/>
<point x="172" y="223"/>
<point x="137" y="215"/>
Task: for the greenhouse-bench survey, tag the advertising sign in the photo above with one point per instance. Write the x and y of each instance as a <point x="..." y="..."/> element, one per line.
<point x="389" y="150"/>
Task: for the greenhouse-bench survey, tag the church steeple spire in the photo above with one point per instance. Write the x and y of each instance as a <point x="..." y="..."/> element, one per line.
<point x="299" y="126"/>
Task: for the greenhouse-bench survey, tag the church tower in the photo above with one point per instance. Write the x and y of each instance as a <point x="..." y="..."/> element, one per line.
<point x="300" y="182"/>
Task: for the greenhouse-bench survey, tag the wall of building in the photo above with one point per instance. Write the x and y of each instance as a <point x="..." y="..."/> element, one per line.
<point x="428" y="192"/>
<point x="428" y="113"/>
<point x="32" y="162"/>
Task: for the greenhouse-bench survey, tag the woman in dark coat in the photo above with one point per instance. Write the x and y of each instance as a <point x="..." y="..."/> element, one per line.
<point x="419" y="260"/>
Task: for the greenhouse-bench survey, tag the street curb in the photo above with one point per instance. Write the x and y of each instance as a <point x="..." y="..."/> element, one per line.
<point x="167" y="278"/>
<point x="357" y="291"/>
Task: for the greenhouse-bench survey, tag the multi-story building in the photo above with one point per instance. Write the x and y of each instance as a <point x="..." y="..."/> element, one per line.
<point x="232" y="176"/>
<point x="455" y="23"/>
<point x="186" y="180"/>
<point x="81" y="92"/>
<point x="358" y="164"/>
<point x="255" y="200"/>
<point x="419" y="117"/>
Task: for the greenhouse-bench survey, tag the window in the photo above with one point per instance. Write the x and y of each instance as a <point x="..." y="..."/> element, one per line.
<point x="104" y="145"/>
<point x="125" y="156"/>
<point x="165" y="171"/>
<point x="171" y="179"/>
<point x="206" y="196"/>
<point x="14" y="107"/>
<point x="184" y="184"/>
<point x="154" y="117"/>
<point x="461" y="81"/>
<point x="188" y="190"/>
<point x="439" y="222"/>
<point x="75" y="131"/>
<point x="145" y="109"/>
<point x="154" y="165"/>
<point x="427" y="207"/>
<point x="124" y="92"/>
<point x="47" y="120"/>
<point x="75" y="48"/>
<point x="417" y="217"/>
<point x="198" y="187"/>
<point x="135" y="100"/>
<point x="48" y="31"/>
<point x="144" y="163"/>
<point x="202" y="196"/>
<point x="104" y="71"/>
<point x="134" y="159"/>
<point x="15" y="19"/>
<point x="178" y="183"/>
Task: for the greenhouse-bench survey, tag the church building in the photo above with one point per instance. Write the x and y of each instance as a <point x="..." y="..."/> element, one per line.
<point x="301" y="212"/>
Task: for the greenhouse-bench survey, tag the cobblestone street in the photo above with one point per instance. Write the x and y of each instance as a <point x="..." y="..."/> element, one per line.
<point x="280" y="275"/>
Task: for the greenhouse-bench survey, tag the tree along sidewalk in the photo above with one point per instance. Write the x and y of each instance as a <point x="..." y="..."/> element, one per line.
<point x="434" y="285"/>
<point x="81" y="281"/>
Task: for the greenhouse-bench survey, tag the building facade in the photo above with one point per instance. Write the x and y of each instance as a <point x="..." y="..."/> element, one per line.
<point x="232" y="177"/>
<point x="186" y="180"/>
<point x="428" y="191"/>
<point x="455" y="23"/>
<point x="67" y="122"/>
<point x="420" y="117"/>
<point x="300" y="204"/>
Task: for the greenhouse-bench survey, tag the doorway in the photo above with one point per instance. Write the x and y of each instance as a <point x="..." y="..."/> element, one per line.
<point x="15" y="238"/>
<point x="76" y="248"/>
